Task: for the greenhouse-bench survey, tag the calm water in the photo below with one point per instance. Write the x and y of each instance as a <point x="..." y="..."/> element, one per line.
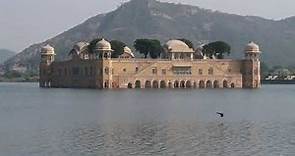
<point x="74" y="122"/>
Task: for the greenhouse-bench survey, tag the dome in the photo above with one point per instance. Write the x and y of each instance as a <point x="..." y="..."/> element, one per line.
<point x="103" y="45"/>
<point x="252" y="47"/>
<point x="128" y="51"/>
<point x="80" y="45"/>
<point x="177" y="46"/>
<point x="47" y="49"/>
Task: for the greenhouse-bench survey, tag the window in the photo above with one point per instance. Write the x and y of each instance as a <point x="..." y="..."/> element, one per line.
<point x="154" y="70"/>
<point x="65" y="72"/>
<point x="200" y="72"/>
<point x="75" y="71"/>
<point x="106" y="70"/>
<point x="136" y="69"/>
<point x="86" y="71"/>
<point x="124" y="70"/>
<point x="164" y="71"/>
<point x="182" y="70"/>
<point x="59" y="72"/>
<point x="91" y="71"/>
<point x="210" y="71"/>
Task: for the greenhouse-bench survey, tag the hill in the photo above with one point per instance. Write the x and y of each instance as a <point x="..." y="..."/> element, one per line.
<point x="153" y="19"/>
<point x="5" y="54"/>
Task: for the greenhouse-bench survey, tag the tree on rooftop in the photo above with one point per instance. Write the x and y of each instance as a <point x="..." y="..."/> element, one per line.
<point x="118" y="48"/>
<point x="142" y="46"/>
<point x="147" y="47"/>
<point x="188" y="42"/>
<point x="155" y="49"/>
<point x="218" y="49"/>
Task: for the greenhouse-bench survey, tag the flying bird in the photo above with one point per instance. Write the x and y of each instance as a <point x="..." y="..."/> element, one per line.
<point x="221" y="114"/>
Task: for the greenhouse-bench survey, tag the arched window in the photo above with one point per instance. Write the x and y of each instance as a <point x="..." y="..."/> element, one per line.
<point x="201" y="84"/>
<point x="225" y="84"/>
<point x="208" y="84"/>
<point x="106" y="70"/>
<point x="170" y="85"/>
<point x="129" y="85"/>
<point x="148" y="84"/>
<point x="188" y="84"/>
<point x="182" y="84"/>
<point x="137" y="84"/>
<point x="232" y="85"/>
<point x="155" y="84"/>
<point x="162" y="84"/>
<point x="216" y="84"/>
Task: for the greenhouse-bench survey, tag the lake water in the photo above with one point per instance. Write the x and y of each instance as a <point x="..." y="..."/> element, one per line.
<point x="76" y="122"/>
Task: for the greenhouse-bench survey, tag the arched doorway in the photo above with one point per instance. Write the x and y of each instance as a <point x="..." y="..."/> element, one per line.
<point x="49" y="84"/>
<point x="162" y="84"/>
<point x="176" y="84"/>
<point x="208" y="84"/>
<point x="201" y="84"/>
<point x="148" y="84"/>
<point x="216" y="84"/>
<point x="182" y="84"/>
<point x="188" y="84"/>
<point x="225" y="84"/>
<point x="137" y="84"/>
<point x="155" y="84"/>
<point x="232" y="85"/>
<point x="195" y="85"/>
<point x="106" y="84"/>
<point x="130" y="85"/>
<point x="170" y="85"/>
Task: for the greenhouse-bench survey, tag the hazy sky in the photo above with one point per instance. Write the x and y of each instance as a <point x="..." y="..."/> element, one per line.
<point x="23" y="22"/>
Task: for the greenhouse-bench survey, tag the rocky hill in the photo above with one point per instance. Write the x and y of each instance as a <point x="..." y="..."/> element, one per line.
<point x="153" y="19"/>
<point x="5" y="54"/>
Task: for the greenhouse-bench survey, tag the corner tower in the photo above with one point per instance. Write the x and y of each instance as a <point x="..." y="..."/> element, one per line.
<point x="103" y="52"/>
<point x="251" y="69"/>
<point x="47" y="57"/>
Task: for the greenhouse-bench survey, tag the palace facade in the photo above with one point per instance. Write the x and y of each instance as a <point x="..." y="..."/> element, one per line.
<point x="180" y="67"/>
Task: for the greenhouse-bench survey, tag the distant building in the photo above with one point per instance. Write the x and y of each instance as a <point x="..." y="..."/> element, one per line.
<point x="181" y="67"/>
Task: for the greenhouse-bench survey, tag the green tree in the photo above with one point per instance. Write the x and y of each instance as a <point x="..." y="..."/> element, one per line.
<point x="218" y="49"/>
<point x="142" y="46"/>
<point x="188" y="42"/>
<point x="150" y="47"/>
<point x="155" y="49"/>
<point x="118" y="48"/>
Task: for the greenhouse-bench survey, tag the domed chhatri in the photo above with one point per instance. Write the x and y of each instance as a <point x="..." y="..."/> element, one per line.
<point x="103" y="45"/>
<point x="252" y="47"/>
<point x="80" y="46"/>
<point x="47" y="50"/>
<point x="177" y="46"/>
<point x="179" y="67"/>
<point x="128" y="51"/>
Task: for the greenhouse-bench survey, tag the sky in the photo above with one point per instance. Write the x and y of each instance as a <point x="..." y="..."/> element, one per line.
<point x="24" y="22"/>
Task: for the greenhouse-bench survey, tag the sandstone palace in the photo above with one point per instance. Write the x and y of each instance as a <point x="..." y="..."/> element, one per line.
<point x="180" y="67"/>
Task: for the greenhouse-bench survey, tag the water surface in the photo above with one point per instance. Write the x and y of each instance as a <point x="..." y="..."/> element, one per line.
<point x="74" y="122"/>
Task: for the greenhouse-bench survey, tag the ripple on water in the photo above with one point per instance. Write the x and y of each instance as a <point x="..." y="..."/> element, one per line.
<point x="172" y="138"/>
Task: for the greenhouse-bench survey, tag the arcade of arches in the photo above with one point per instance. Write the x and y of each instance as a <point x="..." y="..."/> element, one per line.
<point x="181" y="84"/>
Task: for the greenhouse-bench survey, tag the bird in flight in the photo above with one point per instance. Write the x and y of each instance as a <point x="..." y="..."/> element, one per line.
<point x="221" y="114"/>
